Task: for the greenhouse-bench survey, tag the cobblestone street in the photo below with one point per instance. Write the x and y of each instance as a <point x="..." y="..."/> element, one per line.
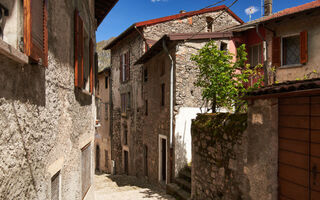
<point x="120" y="187"/>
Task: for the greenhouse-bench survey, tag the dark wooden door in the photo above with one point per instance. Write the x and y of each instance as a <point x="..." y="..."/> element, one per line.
<point x="164" y="159"/>
<point x="126" y="163"/>
<point x="97" y="158"/>
<point x="299" y="148"/>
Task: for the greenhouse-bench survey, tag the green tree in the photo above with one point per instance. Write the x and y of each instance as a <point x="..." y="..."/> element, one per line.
<point x="224" y="83"/>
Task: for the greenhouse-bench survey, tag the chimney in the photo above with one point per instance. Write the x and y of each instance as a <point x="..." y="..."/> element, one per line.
<point x="182" y="11"/>
<point x="267" y="7"/>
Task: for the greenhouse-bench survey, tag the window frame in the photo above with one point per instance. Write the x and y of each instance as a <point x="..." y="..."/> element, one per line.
<point x="123" y="103"/>
<point x="282" y="50"/>
<point x="250" y="48"/>
<point x="56" y="175"/>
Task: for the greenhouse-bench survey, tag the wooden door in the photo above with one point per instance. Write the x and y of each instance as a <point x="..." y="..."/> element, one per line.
<point x="299" y="148"/>
<point x="126" y="162"/>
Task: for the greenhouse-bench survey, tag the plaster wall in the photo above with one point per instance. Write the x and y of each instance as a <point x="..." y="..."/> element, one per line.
<point x="45" y="121"/>
<point x="103" y="136"/>
<point x="295" y="26"/>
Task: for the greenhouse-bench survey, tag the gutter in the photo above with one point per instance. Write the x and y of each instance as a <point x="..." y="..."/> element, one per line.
<point x="265" y="55"/>
<point x="171" y="91"/>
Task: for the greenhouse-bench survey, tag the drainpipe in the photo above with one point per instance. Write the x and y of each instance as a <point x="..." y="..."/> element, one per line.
<point x="265" y="55"/>
<point x="171" y="91"/>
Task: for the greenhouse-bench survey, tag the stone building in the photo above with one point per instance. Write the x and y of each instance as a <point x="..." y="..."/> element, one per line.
<point x="130" y="145"/>
<point x="47" y="103"/>
<point x="103" y="137"/>
<point x="278" y="154"/>
<point x="170" y="57"/>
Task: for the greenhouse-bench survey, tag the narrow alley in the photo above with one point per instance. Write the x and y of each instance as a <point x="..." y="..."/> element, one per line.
<point x="119" y="187"/>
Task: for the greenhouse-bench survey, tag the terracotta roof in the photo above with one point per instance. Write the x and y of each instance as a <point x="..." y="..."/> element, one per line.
<point x="280" y="14"/>
<point x="102" y="8"/>
<point x="286" y="88"/>
<point x="169" y="18"/>
<point x="157" y="47"/>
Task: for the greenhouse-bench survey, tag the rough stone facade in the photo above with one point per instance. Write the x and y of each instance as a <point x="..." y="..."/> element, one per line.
<point x="193" y="24"/>
<point x="44" y="120"/>
<point x="252" y="172"/>
<point x="141" y="135"/>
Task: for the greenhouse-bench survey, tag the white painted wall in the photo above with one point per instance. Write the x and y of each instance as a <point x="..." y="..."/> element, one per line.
<point x="183" y="153"/>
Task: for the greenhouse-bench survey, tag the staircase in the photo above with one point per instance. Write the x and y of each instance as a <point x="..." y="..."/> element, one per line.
<point x="181" y="188"/>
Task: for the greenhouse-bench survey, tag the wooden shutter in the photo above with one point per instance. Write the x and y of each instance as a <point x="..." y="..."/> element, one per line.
<point x="35" y="30"/>
<point x="276" y="51"/>
<point x="78" y="50"/>
<point x="91" y="57"/>
<point x="303" y="47"/>
<point x="128" y="66"/>
<point x="121" y="73"/>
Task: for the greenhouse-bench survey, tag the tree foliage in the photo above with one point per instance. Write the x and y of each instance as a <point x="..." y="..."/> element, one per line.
<point x="225" y="82"/>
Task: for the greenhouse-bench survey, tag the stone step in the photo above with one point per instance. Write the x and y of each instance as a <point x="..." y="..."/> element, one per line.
<point x="174" y="190"/>
<point x="185" y="174"/>
<point x="184" y="184"/>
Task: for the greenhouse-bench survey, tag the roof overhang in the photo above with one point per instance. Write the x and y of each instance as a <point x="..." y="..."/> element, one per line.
<point x="158" y="46"/>
<point x="102" y="8"/>
<point x="289" y="88"/>
<point x="290" y="13"/>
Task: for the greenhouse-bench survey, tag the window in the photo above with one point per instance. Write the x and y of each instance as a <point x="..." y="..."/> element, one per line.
<point x="145" y="75"/>
<point x="162" y="94"/>
<point x="125" y="67"/>
<point x="291" y="50"/>
<point x="146" y="108"/>
<point x="106" y="82"/>
<point x="125" y="136"/>
<point x="209" y="21"/>
<point x="129" y="101"/>
<point x="106" y="111"/>
<point x="223" y="46"/>
<point x="255" y="55"/>
<point x="98" y="109"/>
<point x="55" y="187"/>
<point x="123" y="103"/>
<point x="35" y="35"/>
<point x="84" y="56"/>
<point x="85" y="169"/>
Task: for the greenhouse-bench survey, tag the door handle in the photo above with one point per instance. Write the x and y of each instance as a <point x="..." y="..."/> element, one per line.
<point x="314" y="173"/>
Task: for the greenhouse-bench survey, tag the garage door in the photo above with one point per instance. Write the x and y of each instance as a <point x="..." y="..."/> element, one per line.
<point x="299" y="148"/>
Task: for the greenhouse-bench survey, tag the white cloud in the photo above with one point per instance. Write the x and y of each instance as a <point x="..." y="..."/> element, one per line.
<point x="251" y="10"/>
<point x="154" y="1"/>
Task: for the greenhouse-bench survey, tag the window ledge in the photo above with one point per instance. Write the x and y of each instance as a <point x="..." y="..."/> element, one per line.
<point x="291" y="66"/>
<point x="12" y="53"/>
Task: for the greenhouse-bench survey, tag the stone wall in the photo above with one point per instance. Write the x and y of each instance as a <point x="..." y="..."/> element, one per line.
<point x="250" y="171"/>
<point x="44" y="121"/>
<point x="157" y="122"/>
<point x="196" y="23"/>
<point x="138" y="130"/>
<point x="134" y="43"/>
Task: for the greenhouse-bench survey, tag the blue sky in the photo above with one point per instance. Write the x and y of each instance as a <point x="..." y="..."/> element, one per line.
<point x="127" y="12"/>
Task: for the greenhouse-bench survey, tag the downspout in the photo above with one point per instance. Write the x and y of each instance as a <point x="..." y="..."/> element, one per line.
<point x="171" y="91"/>
<point x="265" y="55"/>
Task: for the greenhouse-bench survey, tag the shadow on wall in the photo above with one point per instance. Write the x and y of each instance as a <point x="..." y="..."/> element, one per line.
<point x="9" y="4"/>
<point x="22" y="83"/>
<point x="181" y="159"/>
